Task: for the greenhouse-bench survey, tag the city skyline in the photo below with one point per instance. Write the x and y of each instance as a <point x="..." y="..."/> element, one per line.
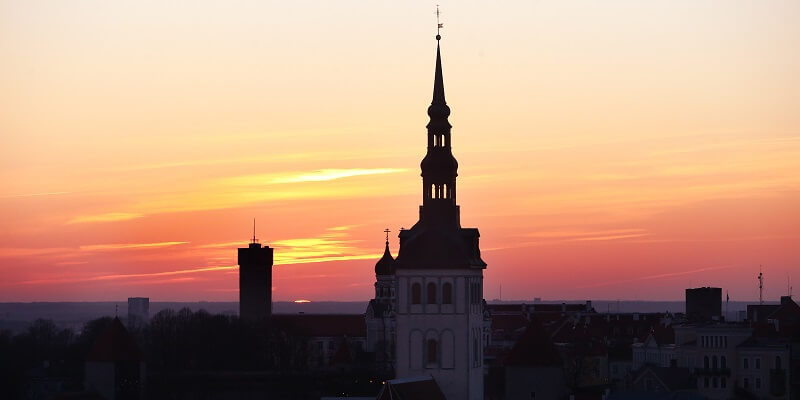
<point x="669" y="167"/>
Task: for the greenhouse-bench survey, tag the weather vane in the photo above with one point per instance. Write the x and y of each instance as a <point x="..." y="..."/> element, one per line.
<point x="439" y="25"/>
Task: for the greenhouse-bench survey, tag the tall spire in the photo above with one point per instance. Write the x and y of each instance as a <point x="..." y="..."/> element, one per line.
<point x="438" y="81"/>
<point x="439" y="167"/>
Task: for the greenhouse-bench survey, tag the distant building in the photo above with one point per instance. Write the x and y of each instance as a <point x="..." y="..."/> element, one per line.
<point x="138" y="312"/>
<point x="704" y="304"/>
<point x="419" y="388"/>
<point x="534" y="368"/>
<point x="255" y="281"/>
<point x="115" y="368"/>
<point x="324" y="342"/>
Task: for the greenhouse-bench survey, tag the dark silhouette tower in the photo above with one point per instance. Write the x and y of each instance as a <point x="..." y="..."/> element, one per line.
<point x="439" y="167"/>
<point x="255" y="280"/>
<point x="438" y="274"/>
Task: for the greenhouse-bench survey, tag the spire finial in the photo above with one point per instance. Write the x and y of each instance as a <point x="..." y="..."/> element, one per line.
<point x="387" y="235"/>
<point x="255" y="240"/>
<point x="439" y="25"/>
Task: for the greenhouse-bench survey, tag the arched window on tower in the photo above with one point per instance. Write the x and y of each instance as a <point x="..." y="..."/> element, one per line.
<point x="445" y="192"/>
<point x="444" y="141"/>
<point x="723" y="362"/>
<point x="447" y="293"/>
<point x="431" y="298"/>
<point x="705" y="362"/>
<point x="432" y="352"/>
<point x="416" y="293"/>
<point x="714" y="362"/>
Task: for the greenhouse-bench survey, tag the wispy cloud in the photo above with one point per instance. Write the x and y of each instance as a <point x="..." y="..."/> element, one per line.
<point x="107" y="217"/>
<point x="320" y="175"/>
<point x="657" y="276"/>
<point x="129" y="276"/>
<point x="125" y="246"/>
<point x="12" y="196"/>
<point x="567" y="234"/>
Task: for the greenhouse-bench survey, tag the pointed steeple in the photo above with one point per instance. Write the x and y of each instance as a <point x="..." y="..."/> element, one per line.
<point x="439" y="167"/>
<point x="438" y="111"/>
<point x="438" y="81"/>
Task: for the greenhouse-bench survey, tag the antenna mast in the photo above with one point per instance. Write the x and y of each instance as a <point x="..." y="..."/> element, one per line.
<point x="254" y="231"/>
<point x="760" y="286"/>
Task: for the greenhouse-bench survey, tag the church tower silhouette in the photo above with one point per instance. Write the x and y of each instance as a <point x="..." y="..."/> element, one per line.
<point x="438" y="274"/>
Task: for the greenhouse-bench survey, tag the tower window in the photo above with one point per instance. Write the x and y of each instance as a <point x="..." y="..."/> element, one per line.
<point x="447" y="293"/>
<point x="432" y="351"/>
<point x="778" y="362"/>
<point x="431" y="298"/>
<point x="416" y="294"/>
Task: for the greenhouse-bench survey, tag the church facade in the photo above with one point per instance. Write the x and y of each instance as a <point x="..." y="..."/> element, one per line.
<point x="427" y="318"/>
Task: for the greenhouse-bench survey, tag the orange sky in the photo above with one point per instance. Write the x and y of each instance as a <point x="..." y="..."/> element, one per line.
<point x="608" y="149"/>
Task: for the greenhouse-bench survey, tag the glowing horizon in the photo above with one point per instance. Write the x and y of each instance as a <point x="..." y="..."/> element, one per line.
<point x="607" y="150"/>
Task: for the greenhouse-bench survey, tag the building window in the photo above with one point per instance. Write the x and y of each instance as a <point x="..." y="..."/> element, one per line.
<point x="705" y="362"/>
<point x="705" y="382"/>
<point x="778" y="362"/>
<point x="746" y="363"/>
<point x="758" y="363"/>
<point x="714" y="362"/>
<point x="715" y="383"/>
<point x="432" y="351"/>
<point x="745" y="383"/>
<point x="447" y="293"/>
<point x="758" y="383"/>
<point x="723" y="362"/>
<point x="416" y="294"/>
<point x="723" y="382"/>
<point x="431" y="298"/>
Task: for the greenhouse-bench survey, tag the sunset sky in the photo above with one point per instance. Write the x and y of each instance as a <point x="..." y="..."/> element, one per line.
<point x="608" y="149"/>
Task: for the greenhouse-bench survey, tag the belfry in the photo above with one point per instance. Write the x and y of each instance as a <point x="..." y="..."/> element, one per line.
<point x="436" y="307"/>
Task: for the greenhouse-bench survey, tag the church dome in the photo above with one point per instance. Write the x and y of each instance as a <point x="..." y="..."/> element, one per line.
<point x="385" y="266"/>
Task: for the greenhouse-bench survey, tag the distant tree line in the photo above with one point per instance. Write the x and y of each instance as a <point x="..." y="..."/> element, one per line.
<point x="173" y="342"/>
